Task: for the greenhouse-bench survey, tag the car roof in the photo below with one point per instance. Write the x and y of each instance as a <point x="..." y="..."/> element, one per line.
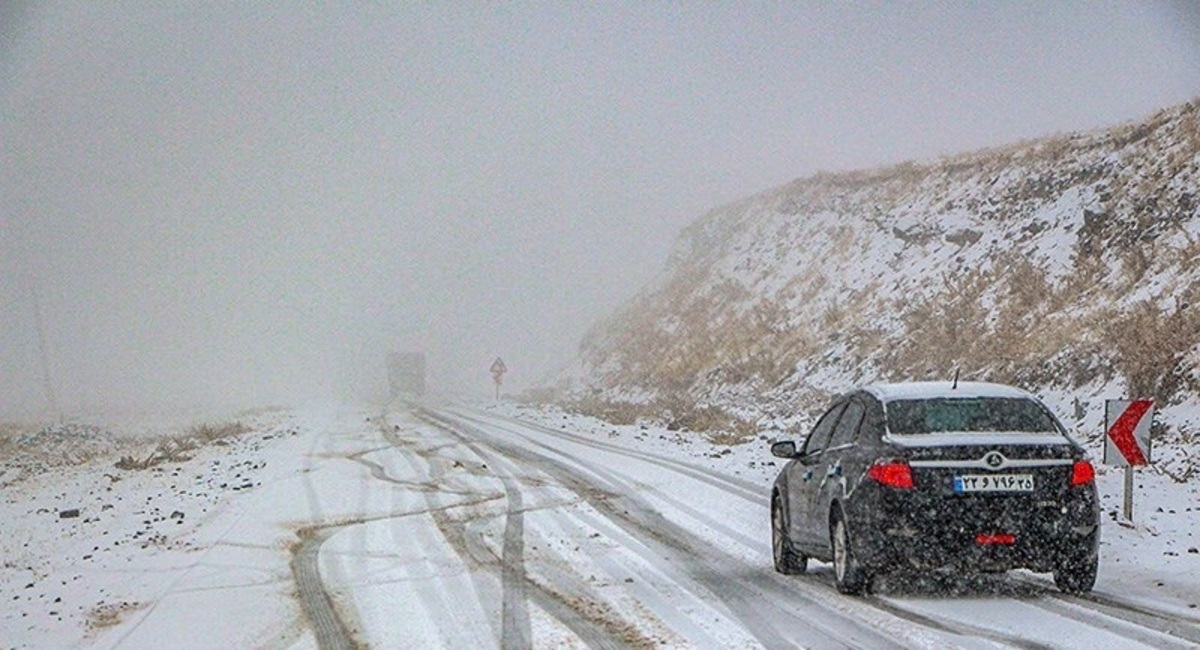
<point x="943" y="390"/>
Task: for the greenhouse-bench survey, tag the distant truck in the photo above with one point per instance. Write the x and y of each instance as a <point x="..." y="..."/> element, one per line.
<point x="406" y="374"/>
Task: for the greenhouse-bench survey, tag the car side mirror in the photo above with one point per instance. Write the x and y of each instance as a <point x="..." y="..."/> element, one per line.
<point x="785" y="449"/>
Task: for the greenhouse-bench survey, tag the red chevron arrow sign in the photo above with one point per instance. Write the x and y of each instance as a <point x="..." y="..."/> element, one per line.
<point x="1127" y="431"/>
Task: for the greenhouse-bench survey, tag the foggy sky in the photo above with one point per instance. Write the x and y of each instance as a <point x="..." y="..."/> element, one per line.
<point x="250" y="203"/>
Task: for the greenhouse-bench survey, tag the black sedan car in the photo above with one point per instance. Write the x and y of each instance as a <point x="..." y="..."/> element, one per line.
<point x="969" y="477"/>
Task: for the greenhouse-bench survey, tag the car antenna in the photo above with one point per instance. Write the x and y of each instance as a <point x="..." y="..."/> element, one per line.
<point x="955" y="386"/>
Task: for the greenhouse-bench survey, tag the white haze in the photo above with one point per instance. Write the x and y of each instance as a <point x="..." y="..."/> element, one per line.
<point x="245" y="203"/>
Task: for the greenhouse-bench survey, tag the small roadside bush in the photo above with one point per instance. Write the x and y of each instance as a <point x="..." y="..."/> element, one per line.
<point x="177" y="449"/>
<point x="209" y="433"/>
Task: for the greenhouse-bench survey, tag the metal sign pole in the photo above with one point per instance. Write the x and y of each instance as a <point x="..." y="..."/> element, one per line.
<point x="1129" y="493"/>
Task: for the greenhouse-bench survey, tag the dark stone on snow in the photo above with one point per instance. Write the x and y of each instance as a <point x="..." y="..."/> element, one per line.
<point x="69" y="514"/>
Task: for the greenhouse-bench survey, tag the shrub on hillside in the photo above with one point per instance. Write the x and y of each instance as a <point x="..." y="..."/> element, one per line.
<point x="1151" y="347"/>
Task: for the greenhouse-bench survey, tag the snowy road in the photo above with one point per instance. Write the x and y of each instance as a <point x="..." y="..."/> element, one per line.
<point x="530" y="536"/>
<point x="458" y="527"/>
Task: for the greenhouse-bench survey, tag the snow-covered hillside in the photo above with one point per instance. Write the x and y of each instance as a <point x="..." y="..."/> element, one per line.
<point x="1069" y="266"/>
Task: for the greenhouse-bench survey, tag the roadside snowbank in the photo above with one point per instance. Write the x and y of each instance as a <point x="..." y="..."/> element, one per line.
<point x="88" y="546"/>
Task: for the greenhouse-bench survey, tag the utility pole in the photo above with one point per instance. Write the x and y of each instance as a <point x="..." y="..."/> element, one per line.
<point x="48" y="385"/>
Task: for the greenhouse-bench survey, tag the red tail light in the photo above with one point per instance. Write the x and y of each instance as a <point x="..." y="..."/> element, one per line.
<point x="1082" y="473"/>
<point x="892" y="473"/>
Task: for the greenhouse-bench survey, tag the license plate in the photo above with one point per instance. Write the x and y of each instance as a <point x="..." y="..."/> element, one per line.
<point x="994" y="483"/>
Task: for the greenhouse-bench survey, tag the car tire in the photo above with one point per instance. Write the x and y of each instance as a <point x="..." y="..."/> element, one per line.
<point x="788" y="561"/>
<point x="1077" y="575"/>
<point x="850" y="576"/>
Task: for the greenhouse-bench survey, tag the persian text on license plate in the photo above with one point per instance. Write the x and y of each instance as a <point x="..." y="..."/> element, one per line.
<point x="994" y="483"/>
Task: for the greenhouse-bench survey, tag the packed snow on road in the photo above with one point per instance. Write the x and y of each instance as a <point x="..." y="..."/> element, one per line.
<point x="500" y="525"/>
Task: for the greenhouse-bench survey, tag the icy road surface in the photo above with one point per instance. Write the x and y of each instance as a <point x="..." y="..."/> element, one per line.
<point x="466" y="528"/>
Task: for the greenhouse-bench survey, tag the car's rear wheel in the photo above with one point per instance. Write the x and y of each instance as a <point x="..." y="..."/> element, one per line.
<point x="849" y="574"/>
<point x="788" y="561"/>
<point x="1077" y="575"/>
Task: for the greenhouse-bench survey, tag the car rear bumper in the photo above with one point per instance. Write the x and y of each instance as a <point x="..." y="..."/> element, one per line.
<point x="976" y="535"/>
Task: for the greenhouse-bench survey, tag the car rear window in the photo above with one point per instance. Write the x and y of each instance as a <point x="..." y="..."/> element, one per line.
<point x="915" y="416"/>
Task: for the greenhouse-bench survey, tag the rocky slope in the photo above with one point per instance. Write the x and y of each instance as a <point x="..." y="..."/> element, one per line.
<point x="1069" y="266"/>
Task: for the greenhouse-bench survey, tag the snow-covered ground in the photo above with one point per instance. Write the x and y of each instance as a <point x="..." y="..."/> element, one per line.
<point x="509" y="525"/>
<point x="95" y="555"/>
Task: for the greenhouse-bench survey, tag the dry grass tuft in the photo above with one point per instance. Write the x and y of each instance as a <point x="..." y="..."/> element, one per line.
<point x="169" y="450"/>
<point x="676" y="412"/>
<point x="732" y="438"/>
<point x="210" y="433"/>
<point x="1151" y="347"/>
<point x="176" y="449"/>
<point x="9" y="433"/>
<point x="106" y="615"/>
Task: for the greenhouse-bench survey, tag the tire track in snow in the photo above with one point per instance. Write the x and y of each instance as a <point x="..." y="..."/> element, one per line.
<point x="752" y="601"/>
<point x="1179" y="627"/>
<point x="561" y="594"/>
<point x="467" y="541"/>
<point x="514" y="609"/>
<point x="452" y="530"/>
<point x="576" y="607"/>
<point x="515" y="579"/>
<point x="380" y="473"/>
<point x="515" y="632"/>
<point x="331" y="633"/>
<point x="1031" y="595"/>
<point x="316" y="602"/>
<point x="957" y="627"/>
<point x="1095" y="610"/>
<point x="729" y="484"/>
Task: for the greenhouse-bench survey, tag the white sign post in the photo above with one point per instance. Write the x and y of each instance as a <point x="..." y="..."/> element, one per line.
<point x="498" y="370"/>
<point x="1127" y="439"/>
